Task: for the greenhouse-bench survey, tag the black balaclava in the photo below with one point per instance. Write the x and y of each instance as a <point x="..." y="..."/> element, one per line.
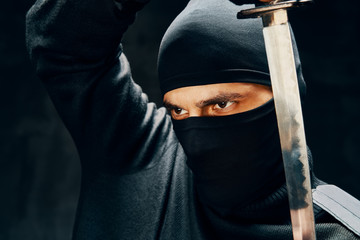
<point x="235" y="159"/>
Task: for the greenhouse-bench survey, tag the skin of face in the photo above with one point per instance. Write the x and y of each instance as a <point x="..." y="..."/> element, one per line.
<point x="215" y="99"/>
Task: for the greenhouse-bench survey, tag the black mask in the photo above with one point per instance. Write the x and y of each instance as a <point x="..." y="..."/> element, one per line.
<point x="235" y="159"/>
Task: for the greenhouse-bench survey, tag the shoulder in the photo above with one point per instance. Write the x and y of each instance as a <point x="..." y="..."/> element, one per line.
<point x="339" y="204"/>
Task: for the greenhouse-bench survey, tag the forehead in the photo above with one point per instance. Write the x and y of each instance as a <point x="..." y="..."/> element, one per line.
<point x="201" y="92"/>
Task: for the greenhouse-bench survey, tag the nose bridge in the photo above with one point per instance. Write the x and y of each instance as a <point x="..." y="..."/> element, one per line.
<point x="195" y="112"/>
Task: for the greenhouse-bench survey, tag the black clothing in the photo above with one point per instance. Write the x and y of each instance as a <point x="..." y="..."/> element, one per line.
<point x="223" y="48"/>
<point x="135" y="183"/>
<point x="207" y="44"/>
<point x="235" y="159"/>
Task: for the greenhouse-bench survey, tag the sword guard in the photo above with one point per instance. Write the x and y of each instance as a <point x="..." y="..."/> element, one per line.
<point x="272" y="6"/>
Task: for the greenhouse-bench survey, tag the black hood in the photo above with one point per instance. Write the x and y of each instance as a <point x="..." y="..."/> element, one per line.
<point x="207" y="44"/>
<point x="236" y="160"/>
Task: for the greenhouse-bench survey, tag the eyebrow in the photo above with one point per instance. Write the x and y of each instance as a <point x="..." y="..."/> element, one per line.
<point x="221" y="97"/>
<point x="170" y="105"/>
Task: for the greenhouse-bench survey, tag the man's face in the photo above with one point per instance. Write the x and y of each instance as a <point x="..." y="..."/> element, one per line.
<point x="215" y="99"/>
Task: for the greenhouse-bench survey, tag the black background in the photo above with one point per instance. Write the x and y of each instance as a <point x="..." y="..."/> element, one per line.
<point x="39" y="167"/>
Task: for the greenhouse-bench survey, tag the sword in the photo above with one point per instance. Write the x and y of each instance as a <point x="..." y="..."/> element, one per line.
<point x="285" y="88"/>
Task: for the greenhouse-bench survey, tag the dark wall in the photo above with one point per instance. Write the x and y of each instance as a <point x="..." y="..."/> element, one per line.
<point x="328" y="38"/>
<point x="39" y="167"/>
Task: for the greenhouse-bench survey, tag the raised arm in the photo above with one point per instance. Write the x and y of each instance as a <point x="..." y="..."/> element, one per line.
<point x="75" y="46"/>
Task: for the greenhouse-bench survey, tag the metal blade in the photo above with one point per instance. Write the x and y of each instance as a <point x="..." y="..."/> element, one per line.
<point x="291" y="128"/>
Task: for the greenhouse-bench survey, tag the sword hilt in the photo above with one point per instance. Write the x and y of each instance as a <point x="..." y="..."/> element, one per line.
<point x="272" y="6"/>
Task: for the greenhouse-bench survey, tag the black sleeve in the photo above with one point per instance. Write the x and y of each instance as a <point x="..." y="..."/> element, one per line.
<point x="75" y="47"/>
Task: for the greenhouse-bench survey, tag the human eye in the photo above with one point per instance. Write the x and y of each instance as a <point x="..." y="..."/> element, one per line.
<point x="223" y="105"/>
<point x="178" y="113"/>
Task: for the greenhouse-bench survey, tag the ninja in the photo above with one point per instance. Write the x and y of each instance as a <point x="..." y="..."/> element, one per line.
<point x="212" y="168"/>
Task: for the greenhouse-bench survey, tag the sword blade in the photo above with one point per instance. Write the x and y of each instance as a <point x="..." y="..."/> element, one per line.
<point x="291" y="127"/>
